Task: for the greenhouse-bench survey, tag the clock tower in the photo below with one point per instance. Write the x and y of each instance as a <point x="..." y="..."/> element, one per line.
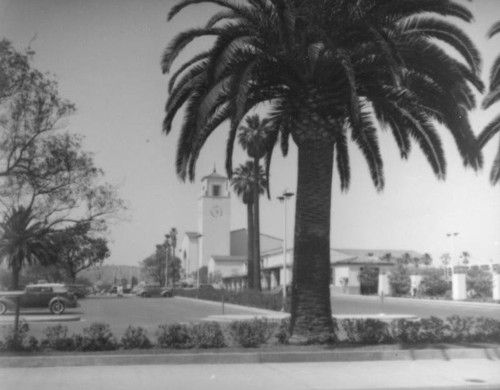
<point x="214" y="217"/>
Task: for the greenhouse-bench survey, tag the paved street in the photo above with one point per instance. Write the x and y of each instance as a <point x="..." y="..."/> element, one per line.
<point x="420" y="374"/>
<point x="352" y="304"/>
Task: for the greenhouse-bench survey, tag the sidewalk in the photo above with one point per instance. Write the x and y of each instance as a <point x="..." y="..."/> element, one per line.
<point x="422" y="374"/>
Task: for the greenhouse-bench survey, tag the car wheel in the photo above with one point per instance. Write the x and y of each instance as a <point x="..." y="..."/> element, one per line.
<point x="144" y="295"/>
<point x="57" y="307"/>
<point x="3" y="308"/>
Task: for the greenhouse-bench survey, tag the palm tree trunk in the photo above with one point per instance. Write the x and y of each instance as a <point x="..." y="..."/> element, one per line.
<point x="250" y="244"/>
<point x="256" y="237"/>
<point x="311" y="315"/>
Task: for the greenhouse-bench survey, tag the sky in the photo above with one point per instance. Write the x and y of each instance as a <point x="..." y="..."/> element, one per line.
<point x="105" y="55"/>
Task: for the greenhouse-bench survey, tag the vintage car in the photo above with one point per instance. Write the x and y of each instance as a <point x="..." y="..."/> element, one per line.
<point x="152" y="290"/>
<point x="53" y="296"/>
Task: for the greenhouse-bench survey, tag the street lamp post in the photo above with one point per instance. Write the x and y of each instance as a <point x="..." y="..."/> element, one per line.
<point x="167" y="256"/>
<point x="283" y="199"/>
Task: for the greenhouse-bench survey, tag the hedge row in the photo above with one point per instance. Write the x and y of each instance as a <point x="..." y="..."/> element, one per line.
<point x="252" y="298"/>
<point x="251" y="334"/>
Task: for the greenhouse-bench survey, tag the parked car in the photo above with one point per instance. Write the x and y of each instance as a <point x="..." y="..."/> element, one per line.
<point x="54" y="296"/>
<point x="79" y="290"/>
<point x="152" y="290"/>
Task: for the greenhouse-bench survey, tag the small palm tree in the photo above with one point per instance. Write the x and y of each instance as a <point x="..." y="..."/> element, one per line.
<point x="465" y="256"/>
<point x="242" y="182"/>
<point x="492" y="97"/>
<point x="24" y="241"/>
<point x="254" y="139"/>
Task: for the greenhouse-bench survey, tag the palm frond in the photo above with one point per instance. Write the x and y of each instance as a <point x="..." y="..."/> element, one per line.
<point x="495" y="168"/>
<point x="342" y="158"/>
<point x="186" y="3"/>
<point x="181" y="41"/>
<point x="198" y="58"/>
<point x="365" y="137"/>
<point x="399" y="9"/>
<point x="491" y="98"/>
<point x="495" y="74"/>
<point x="495" y="29"/>
<point x="489" y="131"/>
<point x="446" y="32"/>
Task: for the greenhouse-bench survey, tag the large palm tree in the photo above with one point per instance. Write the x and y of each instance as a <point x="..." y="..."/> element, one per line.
<point x="327" y="71"/>
<point x="492" y="97"/>
<point x="242" y="181"/>
<point x="253" y="138"/>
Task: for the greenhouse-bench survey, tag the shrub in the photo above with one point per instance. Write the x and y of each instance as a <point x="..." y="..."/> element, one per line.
<point x="480" y="281"/>
<point x="399" y="280"/>
<point x="18" y="341"/>
<point x="175" y="336"/>
<point x="434" y="285"/>
<point x="135" y="338"/>
<point x="56" y="338"/>
<point x="283" y="332"/>
<point x="432" y="330"/>
<point x="460" y="328"/>
<point x="366" y="331"/>
<point x="405" y="331"/>
<point x="207" y="335"/>
<point x="487" y="329"/>
<point x="96" y="337"/>
<point x="251" y="334"/>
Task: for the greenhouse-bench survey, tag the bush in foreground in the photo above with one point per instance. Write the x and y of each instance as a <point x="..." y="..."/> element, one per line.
<point x="254" y="333"/>
<point x="135" y="338"/>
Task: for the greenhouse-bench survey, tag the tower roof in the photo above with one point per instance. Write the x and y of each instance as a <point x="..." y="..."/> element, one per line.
<point x="214" y="175"/>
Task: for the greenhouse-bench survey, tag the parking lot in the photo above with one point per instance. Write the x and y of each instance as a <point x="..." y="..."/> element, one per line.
<point x="119" y="312"/>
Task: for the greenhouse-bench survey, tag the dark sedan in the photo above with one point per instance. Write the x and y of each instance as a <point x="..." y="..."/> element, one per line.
<point x="53" y="296"/>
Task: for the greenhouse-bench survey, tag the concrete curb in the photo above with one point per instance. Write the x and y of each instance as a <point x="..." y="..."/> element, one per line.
<point x="37" y="318"/>
<point x="438" y="301"/>
<point x="258" y="357"/>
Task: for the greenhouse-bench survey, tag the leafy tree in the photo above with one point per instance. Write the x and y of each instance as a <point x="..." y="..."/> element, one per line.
<point x="387" y="257"/>
<point x="434" y="285"/>
<point x="14" y="69"/>
<point x="48" y="183"/>
<point x="491" y="98"/>
<point x="242" y="182"/>
<point x="254" y="137"/>
<point x="77" y="249"/>
<point x="399" y="280"/>
<point x="153" y="267"/>
<point x="174" y="270"/>
<point x="368" y="279"/>
<point x="203" y="274"/>
<point x="427" y="260"/>
<point x="327" y="71"/>
<point x="480" y="281"/>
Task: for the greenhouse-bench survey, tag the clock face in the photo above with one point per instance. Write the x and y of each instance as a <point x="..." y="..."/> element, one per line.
<point x="216" y="211"/>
